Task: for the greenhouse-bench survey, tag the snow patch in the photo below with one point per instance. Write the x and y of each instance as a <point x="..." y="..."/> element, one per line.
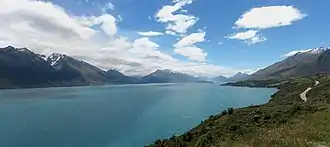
<point x="55" y="58"/>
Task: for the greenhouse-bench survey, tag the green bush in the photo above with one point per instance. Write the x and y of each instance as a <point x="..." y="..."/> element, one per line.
<point x="230" y="111"/>
<point x="224" y="112"/>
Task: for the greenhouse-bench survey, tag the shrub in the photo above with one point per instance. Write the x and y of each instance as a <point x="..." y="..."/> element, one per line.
<point x="224" y="112"/>
<point x="188" y="136"/>
<point x="230" y="110"/>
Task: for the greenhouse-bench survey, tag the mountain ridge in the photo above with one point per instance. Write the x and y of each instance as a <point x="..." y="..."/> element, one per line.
<point x="305" y="63"/>
<point x="62" y="70"/>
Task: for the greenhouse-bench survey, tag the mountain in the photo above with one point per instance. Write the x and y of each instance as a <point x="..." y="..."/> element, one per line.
<point x="22" y="68"/>
<point x="115" y="76"/>
<point x="168" y="76"/>
<point x="220" y="79"/>
<point x="76" y="71"/>
<point x="301" y="64"/>
<point x="239" y="77"/>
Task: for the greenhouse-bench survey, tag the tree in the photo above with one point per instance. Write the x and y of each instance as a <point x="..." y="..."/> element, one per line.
<point x="230" y="110"/>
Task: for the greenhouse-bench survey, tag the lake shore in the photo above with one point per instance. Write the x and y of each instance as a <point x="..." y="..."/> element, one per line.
<point x="285" y="120"/>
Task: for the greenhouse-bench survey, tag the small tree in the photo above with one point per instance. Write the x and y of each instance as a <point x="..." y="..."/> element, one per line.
<point x="224" y="112"/>
<point x="230" y="110"/>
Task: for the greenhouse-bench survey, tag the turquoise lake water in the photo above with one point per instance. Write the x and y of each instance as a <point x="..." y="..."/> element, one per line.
<point x="113" y="116"/>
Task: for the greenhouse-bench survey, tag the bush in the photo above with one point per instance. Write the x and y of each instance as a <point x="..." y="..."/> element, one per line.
<point x="230" y="110"/>
<point x="224" y="112"/>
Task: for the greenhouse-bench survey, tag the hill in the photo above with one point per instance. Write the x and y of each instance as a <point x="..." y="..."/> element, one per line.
<point x="286" y="120"/>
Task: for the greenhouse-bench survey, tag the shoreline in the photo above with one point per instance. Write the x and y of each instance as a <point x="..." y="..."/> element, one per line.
<point x="257" y="125"/>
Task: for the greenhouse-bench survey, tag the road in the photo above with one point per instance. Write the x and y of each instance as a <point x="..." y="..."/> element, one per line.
<point x="303" y="94"/>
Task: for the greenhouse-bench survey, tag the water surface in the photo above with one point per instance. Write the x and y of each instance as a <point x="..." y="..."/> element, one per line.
<point x="113" y="116"/>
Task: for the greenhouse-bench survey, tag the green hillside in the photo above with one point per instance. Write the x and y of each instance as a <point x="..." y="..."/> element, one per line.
<point x="286" y="120"/>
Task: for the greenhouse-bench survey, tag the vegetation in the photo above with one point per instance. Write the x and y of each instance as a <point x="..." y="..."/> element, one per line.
<point x="285" y="120"/>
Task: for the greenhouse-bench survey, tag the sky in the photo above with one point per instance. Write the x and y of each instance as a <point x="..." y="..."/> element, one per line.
<point x="197" y="37"/>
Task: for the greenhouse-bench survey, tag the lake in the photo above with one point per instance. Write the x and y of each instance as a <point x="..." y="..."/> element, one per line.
<point x="113" y="116"/>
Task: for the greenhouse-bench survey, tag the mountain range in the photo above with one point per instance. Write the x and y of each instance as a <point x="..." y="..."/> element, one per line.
<point x="237" y="77"/>
<point x="306" y="63"/>
<point x="22" y="68"/>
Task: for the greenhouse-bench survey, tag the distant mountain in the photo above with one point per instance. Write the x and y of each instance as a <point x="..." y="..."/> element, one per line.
<point x="239" y="77"/>
<point x="115" y="76"/>
<point x="220" y="79"/>
<point x="21" y="68"/>
<point x="168" y="76"/>
<point x="301" y="64"/>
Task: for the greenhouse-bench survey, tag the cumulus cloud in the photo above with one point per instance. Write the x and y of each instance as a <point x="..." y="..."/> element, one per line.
<point x="266" y="17"/>
<point x="150" y="33"/>
<point x="107" y="23"/>
<point x="186" y="47"/>
<point x="178" y="23"/>
<point x="192" y="52"/>
<point x="191" y="39"/>
<point x="31" y="15"/>
<point x="28" y="25"/>
<point x="250" y="37"/>
<point x="270" y="16"/>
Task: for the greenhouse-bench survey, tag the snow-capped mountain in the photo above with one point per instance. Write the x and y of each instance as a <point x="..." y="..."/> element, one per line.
<point x="55" y="58"/>
<point x="22" y="68"/>
<point x="308" y="62"/>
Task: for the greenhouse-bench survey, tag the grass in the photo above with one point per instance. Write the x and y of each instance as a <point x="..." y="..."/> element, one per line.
<point x="284" y="121"/>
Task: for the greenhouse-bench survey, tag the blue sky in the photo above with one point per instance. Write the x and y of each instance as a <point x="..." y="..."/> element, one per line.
<point x="270" y="29"/>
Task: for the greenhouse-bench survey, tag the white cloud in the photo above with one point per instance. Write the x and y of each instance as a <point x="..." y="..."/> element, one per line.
<point x="266" y="17"/>
<point x="243" y="35"/>
<point x="192" y="52"/>
<point x="150" y="33"/>
<point x="191" y="39"/>
<point x="45" y="28"/>
<point x="178" y="23"/>
<point x="256" y="39"/>
<point x="170" y="33"/>
<point x="32" y="15"/>
<point x="250" y="37"/>
<point x="108" y="6"/>
<point x="220" y="43"/>
<point x="295" y="52"/>
<point x="106" y="21"/>
<point x="270" y="16"/>
<point x="186" y="47"/>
